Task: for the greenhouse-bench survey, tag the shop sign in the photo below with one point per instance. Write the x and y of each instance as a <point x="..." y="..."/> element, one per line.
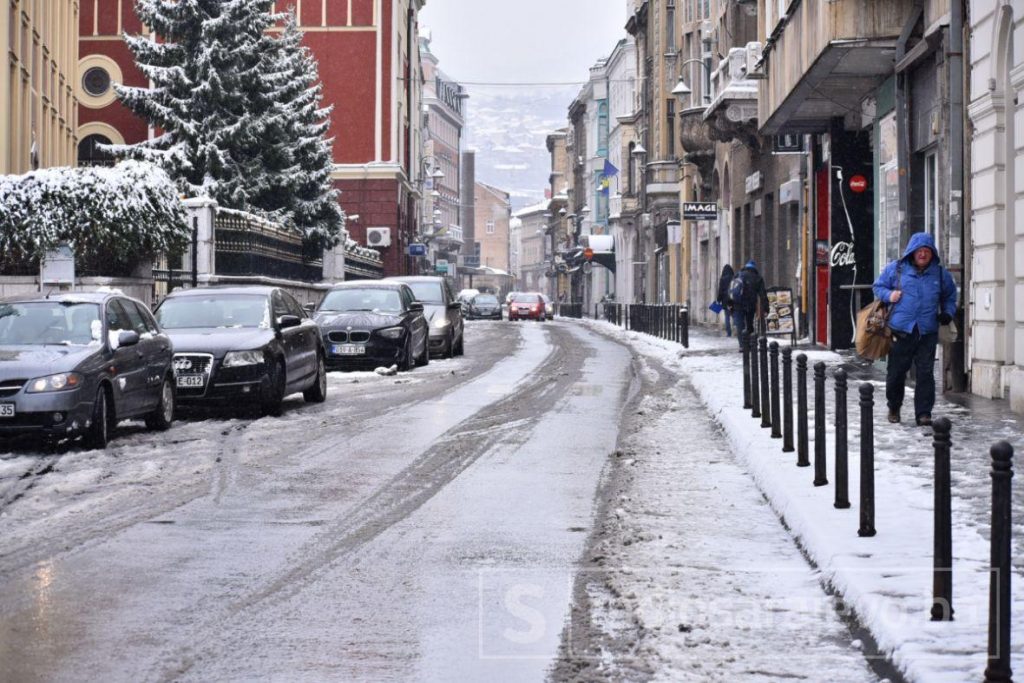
<point x="858" y="183"/>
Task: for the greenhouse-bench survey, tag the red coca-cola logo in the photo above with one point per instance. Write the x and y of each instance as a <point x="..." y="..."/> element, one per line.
<point x="858" y="184"/>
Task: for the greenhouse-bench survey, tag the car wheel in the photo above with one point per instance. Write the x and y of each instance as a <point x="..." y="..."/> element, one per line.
<point x="162" y="417"/>
<point x="98" y="434"/>
<point x="407" y="361"/>
<point x="272" y="400"/>
<point x="317" y="393"/>
<point x="424" y="358"/>
<point x="449" y="346"/>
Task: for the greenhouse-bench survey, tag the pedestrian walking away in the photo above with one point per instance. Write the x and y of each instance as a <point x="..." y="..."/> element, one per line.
<point x="922" y="296"/>
<point x="749" y="299"/>
<point x="723" y="297"/>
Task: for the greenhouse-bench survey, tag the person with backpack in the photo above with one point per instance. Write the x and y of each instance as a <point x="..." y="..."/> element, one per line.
<point x="723" y="296"/>
<point x="922" y="296"/>
<point x="749" y="298"/>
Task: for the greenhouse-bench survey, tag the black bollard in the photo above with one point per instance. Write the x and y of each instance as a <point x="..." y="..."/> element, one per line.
<point x="745" y="350"/>
<point x="998" y="668"/>
<point x="787" y="399"/>
<point x="755" y="392"/>
<point x="842" y="467"/>
<point x="773" y="351"/>
<point x="762" y="357"/>
<point x="802" y="450"/>
<point x="686" y="328"/>
<point x="867" y="460"/>
<point x="820" y="477"/>
<point x="942" y="570"/>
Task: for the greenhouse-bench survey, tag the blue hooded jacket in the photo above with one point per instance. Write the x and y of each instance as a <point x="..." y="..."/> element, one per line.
<point x="925" y="293"/>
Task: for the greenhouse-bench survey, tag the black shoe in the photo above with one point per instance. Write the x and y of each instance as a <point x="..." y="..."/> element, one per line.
<point x="924" y="420"/>
<point x="894" y="415"/>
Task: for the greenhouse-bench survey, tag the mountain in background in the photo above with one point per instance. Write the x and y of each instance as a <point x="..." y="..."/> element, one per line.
<point x="508" y="127"/>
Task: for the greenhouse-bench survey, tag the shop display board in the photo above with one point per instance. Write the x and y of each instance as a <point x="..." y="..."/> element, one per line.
<point x="781" y="318"/>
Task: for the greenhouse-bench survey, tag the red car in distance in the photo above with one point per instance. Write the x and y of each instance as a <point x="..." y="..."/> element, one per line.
<point x="526" y="306"/>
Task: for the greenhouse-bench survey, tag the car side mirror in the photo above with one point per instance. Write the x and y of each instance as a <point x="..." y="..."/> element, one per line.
<point x="127" y="338"/>
<point x="286" y="321"/>
<point x="416" y="306"/>
<point x="309" y="308"/>
<point x="455" y="306"/>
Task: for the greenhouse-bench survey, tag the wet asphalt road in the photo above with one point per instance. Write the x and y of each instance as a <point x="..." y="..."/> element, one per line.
<point x="424" y="526"/>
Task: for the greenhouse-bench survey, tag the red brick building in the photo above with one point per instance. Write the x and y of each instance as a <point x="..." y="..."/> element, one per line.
<point x="368" y="53"/>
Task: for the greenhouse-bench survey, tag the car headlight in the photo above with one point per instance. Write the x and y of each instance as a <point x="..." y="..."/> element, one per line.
<point x="61" y="382"/>
<point x="391" y="332"/>
<point x="235" y="359"/>
<point x="442" y="322"/>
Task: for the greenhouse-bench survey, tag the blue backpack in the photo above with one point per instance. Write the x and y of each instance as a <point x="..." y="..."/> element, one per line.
<point x="737" y="290"/>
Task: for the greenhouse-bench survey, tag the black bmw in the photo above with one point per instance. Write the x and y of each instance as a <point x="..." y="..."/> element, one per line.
<point x="367" y="324"/>
<point x="249" y="343"/>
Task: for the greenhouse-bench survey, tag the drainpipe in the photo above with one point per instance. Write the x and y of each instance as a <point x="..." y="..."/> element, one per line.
<point x="902" y="123"/>
<point x="957" y="378"/>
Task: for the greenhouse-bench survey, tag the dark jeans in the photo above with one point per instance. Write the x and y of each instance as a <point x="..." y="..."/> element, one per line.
<point x="918" y="350"/>
<point x="743" y="321"/>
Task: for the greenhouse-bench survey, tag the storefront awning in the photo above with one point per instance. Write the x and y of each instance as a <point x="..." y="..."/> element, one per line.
<point x="603" y="247"/>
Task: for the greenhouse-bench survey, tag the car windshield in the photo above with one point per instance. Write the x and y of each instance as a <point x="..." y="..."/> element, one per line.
<point x="427" y="292"/>
<point x="368" y="299"/>
<point x="525" y="298"/>
<point x="50" y="322"/>
<point x="214" y="310"/>
<point x="486" y="300"/>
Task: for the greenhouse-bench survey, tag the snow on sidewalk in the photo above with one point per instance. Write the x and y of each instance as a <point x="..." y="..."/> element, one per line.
<point x="886" y="580"/>
<point x="701" y="581"/>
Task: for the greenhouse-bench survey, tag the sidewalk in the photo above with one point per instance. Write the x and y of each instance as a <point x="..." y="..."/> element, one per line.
<point x="886" y="580"/>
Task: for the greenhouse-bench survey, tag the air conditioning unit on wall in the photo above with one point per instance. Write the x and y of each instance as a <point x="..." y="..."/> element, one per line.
<point x="378" y="237"/>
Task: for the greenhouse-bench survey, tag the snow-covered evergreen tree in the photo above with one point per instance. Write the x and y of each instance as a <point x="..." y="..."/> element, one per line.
<point x="297" y="154"/>
<point x="206" y="65"/>
<point x="238" y="110"/>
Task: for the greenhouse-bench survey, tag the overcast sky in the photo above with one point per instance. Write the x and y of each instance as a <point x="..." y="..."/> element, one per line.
<point x="522" y="40"/>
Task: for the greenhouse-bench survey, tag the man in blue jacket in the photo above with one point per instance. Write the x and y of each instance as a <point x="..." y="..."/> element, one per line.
<point x="922" y="295"/>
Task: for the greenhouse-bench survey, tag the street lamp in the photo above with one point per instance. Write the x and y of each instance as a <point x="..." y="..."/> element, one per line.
<point x="682" y="90"/>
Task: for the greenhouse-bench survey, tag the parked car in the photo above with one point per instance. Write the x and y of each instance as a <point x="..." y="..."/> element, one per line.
<point x="443" y="313"/>
<point x="76" y="364"/>
<point x="527" y="306"/>
<point x="549" y="308"/>
<point x="484" y="306"/>
<point x="366" y="324"/>
<point x="250" y="344"/>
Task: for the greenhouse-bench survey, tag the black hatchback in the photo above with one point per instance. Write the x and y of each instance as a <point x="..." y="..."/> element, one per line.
<point x="75" y="364"/>
<point x="248" y="344"/>
<point x="371" y="323"/>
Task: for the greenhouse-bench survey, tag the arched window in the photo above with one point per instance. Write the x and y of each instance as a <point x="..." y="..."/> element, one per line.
<point x="90" y="154"/>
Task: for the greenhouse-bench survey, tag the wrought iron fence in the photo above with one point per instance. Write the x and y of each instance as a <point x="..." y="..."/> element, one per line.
<point x="247" y="245"/>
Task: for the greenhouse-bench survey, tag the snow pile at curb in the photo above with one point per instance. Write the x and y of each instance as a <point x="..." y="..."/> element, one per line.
<point x="886" y="581"/>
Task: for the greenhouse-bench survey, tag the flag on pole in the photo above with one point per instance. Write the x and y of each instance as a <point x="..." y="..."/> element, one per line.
<point x="609" y="169"/>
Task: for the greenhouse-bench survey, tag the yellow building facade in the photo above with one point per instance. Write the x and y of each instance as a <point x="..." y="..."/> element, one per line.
<point x="38" y="106"/>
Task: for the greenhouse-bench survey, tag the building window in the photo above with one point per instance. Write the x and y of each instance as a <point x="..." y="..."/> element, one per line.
<point x="96" y="81"/>
<point x="490" y="227"/>
<point x="670" y="126"/>
<point x="931" y="193"/>
<point x="670" y="26"/>
<point x="90" y="154"/>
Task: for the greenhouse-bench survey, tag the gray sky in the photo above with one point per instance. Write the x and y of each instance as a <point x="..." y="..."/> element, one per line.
<point x="522" y="40"/>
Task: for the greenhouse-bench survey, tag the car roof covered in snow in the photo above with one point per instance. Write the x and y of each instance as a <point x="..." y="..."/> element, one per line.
<point x="265" y="290"/>
<point x="367" y="284"/>
<point x="62" y="297"/>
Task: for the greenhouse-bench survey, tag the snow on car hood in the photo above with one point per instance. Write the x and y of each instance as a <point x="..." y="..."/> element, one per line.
<point x="34" y="361"/>
<point x="362" y="320"/>
<point x="218" y="341"/>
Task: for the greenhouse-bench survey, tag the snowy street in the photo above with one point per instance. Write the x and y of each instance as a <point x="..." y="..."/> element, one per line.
<point x="437" y="524"/>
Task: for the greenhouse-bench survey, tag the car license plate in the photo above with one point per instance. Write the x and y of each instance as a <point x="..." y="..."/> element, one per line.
<point x="7" y="410"/>
<point x="191" y="380"/>
<point x="348" y="350"/>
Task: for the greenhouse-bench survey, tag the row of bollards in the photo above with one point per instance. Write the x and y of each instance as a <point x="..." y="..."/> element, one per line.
<point x="761" y="382"/>
<point x="665" y="321"/>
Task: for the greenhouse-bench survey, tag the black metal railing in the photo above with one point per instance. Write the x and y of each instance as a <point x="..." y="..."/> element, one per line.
<point x="569" y="309"/>
<point x="246" y="245"/>
<point x="665" y="321"/>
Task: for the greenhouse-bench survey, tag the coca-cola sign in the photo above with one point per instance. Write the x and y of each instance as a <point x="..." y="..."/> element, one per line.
<point x="842" y="255"/>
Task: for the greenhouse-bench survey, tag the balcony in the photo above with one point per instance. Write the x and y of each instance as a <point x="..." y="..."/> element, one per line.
<point x="824" y="58"/>
<point x="449" y="238"/>
<point x="732" y="113"/>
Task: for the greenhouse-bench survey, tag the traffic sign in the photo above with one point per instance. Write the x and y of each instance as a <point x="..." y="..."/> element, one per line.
<point x="417" y="250"/>
<point x="441" y="266"/>
<point x="588" y="253"/>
